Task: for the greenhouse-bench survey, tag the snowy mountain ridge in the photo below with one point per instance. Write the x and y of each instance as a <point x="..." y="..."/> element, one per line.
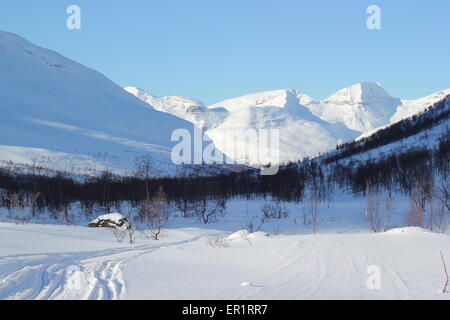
<point x="307" y="127"/>
<point x="186" y="108"/>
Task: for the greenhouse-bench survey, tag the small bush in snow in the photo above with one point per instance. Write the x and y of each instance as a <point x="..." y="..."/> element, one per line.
<point x="119" y="234"/>
<point x="276" y="210"/>
<point x="251" y="226"/>
<point x="217" y="242"/>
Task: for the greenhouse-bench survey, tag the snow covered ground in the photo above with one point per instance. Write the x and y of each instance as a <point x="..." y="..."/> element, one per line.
<point x="58" y="262"/>
<point x="215" y="261"/>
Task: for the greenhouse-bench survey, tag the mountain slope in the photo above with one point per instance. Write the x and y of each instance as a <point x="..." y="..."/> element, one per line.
<point x="424" y="131"/>
<point x="53" y="103"/>
<point x="186" y="108"/>
<point x="411" y="107"/>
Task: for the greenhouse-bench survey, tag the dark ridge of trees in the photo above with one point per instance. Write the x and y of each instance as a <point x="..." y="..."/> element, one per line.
<point x="56" y="192"/>
<point x="432" y="116"/>
<point x="397" y="172"/>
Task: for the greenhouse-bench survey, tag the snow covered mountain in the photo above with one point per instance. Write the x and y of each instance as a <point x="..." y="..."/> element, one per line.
<point x="60" y="114"/>
<point x="366" y="106"/>
<point x="361" y="107"/>
<point x="307" y="127"/>
<point x="186" y="108"/>
<point x="301" y="133"/>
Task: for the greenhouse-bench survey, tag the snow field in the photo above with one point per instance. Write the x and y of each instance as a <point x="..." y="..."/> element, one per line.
<point x="50" y="262"/>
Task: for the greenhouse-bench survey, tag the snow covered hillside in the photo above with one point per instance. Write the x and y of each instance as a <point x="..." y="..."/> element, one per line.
<point x="307" y="127"/>
<point x="61" y="115"/>
<point x="412" y="107"/>
<point x="425" y="130"/>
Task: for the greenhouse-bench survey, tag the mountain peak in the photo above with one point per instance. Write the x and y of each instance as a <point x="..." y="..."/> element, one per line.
<point x="359" y="93"/>
<point x="276" y="98"/>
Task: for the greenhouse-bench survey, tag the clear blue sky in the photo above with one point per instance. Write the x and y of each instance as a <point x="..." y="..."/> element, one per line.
<point x="218" y="49"/>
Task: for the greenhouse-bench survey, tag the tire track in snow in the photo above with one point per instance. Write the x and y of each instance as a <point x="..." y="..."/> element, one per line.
<point x="44" y="276"/>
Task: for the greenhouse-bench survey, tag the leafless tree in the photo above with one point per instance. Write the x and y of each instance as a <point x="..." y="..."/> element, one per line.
<point x="379" y="216"/>
<point x="313" y="207"/>
<point x="446" y="274"/>
<point x="68" y="219"/>
<point x="131" y="237"/>
<point x="416" y="210"/>
<point x="443" y="205"/>
<point x="155" y="213"/>
<point x="125" y="231"/>
<point x="106" y="179"/>
<point x="251" y="226"/>
<point x="130" y="225"/>
<point x="87" y="206"/>
<point x="373" y="210"/>
<point x="444" y="191"/>
<point x="389" y="209"/>
<point x="441" y="218"/>
<point x="430" y="212"/>
<point x="304" y="216"/>
<point x="119" y="234"/>
<point x="208" y="208"/>
<point x="144" y="169"/>
<point x="185" y="206"/>
<point x="428" y="206"/>
<point x="19" y="206"/>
